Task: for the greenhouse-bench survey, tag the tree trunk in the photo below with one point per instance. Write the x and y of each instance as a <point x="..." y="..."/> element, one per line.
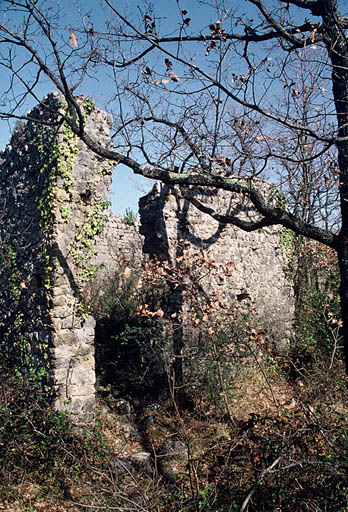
<point x="343" y="185"/>
<point x="343" y="237"/>
<point x="337" y="47"/>
<point x="343" y="263"/>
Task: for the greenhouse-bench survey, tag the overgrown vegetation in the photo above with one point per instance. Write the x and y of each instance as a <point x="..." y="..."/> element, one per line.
<point x="318" y="313"/>
<point x="263" y="429"/>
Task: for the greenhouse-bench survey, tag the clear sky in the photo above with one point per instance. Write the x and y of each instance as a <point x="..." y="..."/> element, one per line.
<point x="126" y="187"/>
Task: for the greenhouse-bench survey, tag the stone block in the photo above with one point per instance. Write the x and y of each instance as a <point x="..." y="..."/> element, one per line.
<point x="81" y="375"/>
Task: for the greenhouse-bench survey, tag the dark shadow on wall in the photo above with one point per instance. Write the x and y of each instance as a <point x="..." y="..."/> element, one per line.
<point x="152" y="223"/>
<point x="185" y="230"/>
<point x="25" y="326"/>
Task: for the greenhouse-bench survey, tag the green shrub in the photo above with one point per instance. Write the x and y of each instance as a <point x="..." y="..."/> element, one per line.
<point x="130" y="217"/>
<point x="318" y="320"/>
<point x="37" y="443"/>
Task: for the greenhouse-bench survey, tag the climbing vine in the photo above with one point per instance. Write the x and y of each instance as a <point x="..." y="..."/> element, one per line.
<point x="82" y="248"/>
<point x="58" y="159"/>
<point x="287" y="238"/>
<point x="15" y="275"/>
<point x="58" y="156"/>
<point x="287" y="246"/>
<point x="86" y="216"/>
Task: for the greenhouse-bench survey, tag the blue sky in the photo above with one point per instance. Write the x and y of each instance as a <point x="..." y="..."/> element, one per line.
<point x="126" y="187"/>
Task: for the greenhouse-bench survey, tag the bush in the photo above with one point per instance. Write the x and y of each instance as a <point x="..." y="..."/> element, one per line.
<point x="37" y="444"/>
<point x="318" y="312"/>
<point x="129" y="347"/>
<point x="130" y="217"/>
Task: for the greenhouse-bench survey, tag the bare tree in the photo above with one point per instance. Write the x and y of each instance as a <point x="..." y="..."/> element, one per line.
<point x="224" y="98"/>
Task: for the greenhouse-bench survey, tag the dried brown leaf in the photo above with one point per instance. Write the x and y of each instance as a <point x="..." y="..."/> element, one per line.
<point x="168" y="63"/>
<point x="127" y="272"/>
<point x="73" y="40"/>
<point x="174" y="77"/>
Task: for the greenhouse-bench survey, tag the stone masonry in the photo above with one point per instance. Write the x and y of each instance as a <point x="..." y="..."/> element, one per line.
<point x="257" y="260"/>
<point x="57" y="235"/>
<point x="53" y="201"/>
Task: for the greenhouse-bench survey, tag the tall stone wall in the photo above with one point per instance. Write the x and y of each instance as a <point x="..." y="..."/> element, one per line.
<point x="120" y="242"/>
<point x="257" y="261"/>
<point x="53" y="215"/>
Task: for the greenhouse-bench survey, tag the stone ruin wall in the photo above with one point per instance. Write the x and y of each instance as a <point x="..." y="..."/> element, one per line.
<point x="119" y="244"/>
<point x="257" y="277"/>
<point x="53" y="193"/>
<point x="56" y="233"/>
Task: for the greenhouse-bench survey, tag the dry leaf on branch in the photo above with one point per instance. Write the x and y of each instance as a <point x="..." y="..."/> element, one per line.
<point x="174" y="77"/>
<point x="73" y="40"/>
<point x="127" y="272"/>
<point x="168" y="64"/>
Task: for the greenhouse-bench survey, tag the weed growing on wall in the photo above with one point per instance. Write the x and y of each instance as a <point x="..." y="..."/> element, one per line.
<point x="130" y="217"/>
<point x="57" y="154"/>
<point x="8" y="261"/>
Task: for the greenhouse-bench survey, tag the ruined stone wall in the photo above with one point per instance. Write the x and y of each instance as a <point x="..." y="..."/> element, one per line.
<point x="119" y="243"/>
<point x="57" y="235"/>
<point x="53" y="213"/>
<point x="257" y="276"/>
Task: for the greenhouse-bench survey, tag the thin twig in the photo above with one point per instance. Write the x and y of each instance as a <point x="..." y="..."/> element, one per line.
<point x="261" y="477"/>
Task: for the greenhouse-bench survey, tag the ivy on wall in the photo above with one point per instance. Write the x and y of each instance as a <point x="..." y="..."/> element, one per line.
<point x="86" y="215"/>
